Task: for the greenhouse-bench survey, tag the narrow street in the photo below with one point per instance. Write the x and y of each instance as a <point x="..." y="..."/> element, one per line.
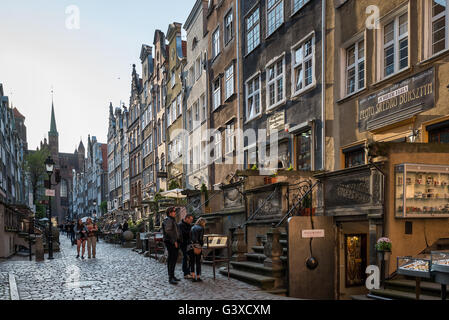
<point x="116" y="274"/>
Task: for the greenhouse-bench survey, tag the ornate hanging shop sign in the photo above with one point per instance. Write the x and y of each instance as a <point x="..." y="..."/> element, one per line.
<point x="398" y="102"/>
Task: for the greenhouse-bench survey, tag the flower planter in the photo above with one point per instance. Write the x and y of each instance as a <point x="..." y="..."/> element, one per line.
<point x="384" y="254"/>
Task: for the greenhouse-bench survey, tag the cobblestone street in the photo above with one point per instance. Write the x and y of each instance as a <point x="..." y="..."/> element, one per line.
<point x="116" y="274"/>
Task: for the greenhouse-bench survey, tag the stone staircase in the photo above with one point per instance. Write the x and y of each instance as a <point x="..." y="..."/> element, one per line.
<point x="403" y="288"/>
<point x="255" y="268"/>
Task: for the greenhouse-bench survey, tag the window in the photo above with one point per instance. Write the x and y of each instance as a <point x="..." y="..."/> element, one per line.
<point x="439" y="25"/>
<point x="169" y="115"/>
<point x="191" y="76"/>
<point x="189" y="120"/>
<point x="303" y="66"/>
<point x="216" y="43"/>
<point x="303" y="151"/>
<point x="217" y="94"/>
<point x="395" y="43"/>
<point x="354" y="157"/>
<point x="63" y="191"/>
<point x="275" y="15"/>
<point x="179" y="105"/>
<point x="203" y="107"/>
<point x="198" y="68"/>
<point x="230" y="141"/>
<point x="298" y="4"/>
<point x="253" y="98"/>
<point x="229" y="81"/>
<point x="173" y="79"/>
<point x="355" y="67"/>
<point x="173" y="111"/>
<point x="228" y="29"/>
<point x="439" y="133"/>
<point x="218" y="151"/>
<point x="196" y="110"/>
<point x="252" y="31"/>
<point x="275" y="83"/>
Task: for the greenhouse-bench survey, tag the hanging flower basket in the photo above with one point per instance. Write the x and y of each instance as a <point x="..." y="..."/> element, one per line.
<point x="384" y="245"/>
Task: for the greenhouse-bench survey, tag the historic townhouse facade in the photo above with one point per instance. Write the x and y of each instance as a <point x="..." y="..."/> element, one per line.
<point x="282" y="82"/>
<point x="147" y="126"/>
<point x="224" y="95"/>
<point x="174" y="106"/>
<point x="197" y="171"/>
<point x="159" y="91"/>
<point x="135" y="143"/>
<point x="13" y="185"/>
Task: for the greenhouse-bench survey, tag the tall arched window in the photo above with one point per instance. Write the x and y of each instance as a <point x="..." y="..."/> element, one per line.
<point x="63" y="190"/>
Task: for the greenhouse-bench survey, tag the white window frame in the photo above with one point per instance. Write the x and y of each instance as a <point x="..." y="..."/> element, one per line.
<point x="428" y="29"/>
<point x="252" y="30"/>
<point x="198" y="69"/>
<point x="301" y="4"/>
<point x="394" y="17"/>
<point x="230" y="138"/>
<point x="173" y="78"/>
<point x="216" y="43"/>
<point x="302" y="64"/>
<point x="216" y="93"/>
<point x="203" y="107"/>
<point x="178" y="105"/>
<point x="276" y="78"/>
<point x="271" y="9"/>
<point x="356" y="66"/>
<point x="228" y="27"/>
<point x="173" y="110"/>
<point x="229" y="81"/>
<point x="252" y="95"/>
<point x="218" y="152"/>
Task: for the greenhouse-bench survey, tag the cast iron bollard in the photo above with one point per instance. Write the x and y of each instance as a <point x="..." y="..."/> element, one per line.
<point x="239" y="245"/>
<point x="39" y="248"/>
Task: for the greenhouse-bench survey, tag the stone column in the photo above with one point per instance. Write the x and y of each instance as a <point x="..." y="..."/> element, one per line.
<point x="239" y="245"/>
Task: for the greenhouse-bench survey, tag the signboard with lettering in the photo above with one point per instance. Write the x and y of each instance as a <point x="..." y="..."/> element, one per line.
<point x="276" y="123"/>
<point x="50" y="193"/>
<point x="398" y="102"/>
<point x="161" y="174"/>
<point x="348" y="190"/>
<point x="307" y="234"/>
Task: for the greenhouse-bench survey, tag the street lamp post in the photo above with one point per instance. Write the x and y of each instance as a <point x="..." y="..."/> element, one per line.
<point x="49" y="165"/>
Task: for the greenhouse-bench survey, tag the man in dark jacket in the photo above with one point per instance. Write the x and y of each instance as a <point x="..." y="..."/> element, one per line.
<point x="184" y="226"/>
<point x="172" y="240"/>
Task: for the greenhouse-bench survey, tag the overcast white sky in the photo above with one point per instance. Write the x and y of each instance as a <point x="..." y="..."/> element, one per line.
<point x="87" y="67"/>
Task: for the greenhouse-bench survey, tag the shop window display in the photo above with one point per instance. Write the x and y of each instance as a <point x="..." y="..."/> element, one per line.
<point x="355" y="259"/>
<point x="421" y="191"/>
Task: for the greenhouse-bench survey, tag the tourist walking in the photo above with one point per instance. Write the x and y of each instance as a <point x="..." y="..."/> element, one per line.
<point x="172" y="239"/>
<point x="92" y="230"/>
<point x="81" y="237"/>
<point x="196" y="249"/>
<point x="184" y="226"/>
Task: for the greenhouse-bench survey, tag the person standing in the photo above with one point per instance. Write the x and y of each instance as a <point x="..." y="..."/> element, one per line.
<point x="196" y="249"/>
<point x="184" y="226"/>
<point x="91" y="238"/>
<point x="72" y="232"/>
<point x="81" y="237"/>
<point x="172" y="239"/>
<point x="125" y="226"/>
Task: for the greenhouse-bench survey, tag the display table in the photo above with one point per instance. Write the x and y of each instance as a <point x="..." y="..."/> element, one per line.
<point x="214" y="242"/>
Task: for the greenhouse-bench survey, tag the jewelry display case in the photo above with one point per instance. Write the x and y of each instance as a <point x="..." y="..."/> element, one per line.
<point x="440" y="261"/>
<point x="421" y="191"/>
<point x="415" y="266"/>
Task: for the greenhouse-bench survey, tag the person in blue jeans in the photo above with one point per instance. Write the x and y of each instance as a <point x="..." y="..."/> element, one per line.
<point x="196" y="249"/>
<point x="184" y="226"/>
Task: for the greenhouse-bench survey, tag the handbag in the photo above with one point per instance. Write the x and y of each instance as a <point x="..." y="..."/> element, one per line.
<point x="197" y="250"/>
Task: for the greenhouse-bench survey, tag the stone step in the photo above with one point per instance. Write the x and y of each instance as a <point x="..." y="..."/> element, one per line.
<point x="256" y="268"/>
<point x="262" y="282"/>
<point x="427" y="288"/>
<point x="283" y="243"/>
<point x="400" y="295"/>
<point x="260" y="249"/>
<point x="362" y="297"/>
<point x="260" y="257"/>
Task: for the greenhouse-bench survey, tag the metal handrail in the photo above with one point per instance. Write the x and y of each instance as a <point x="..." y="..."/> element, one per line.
<point x="260" y="207"/>
<point x="296" y="204"/>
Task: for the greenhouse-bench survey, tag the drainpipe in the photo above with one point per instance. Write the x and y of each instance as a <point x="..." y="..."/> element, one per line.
<point x="323" y="84"/>
<point x="237" y="37"/>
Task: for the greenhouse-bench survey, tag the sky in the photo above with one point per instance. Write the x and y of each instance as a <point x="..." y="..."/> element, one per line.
<point x="86" y="61"/>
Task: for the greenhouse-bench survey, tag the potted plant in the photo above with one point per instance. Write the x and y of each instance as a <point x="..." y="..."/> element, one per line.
<point x="383" y="247"/>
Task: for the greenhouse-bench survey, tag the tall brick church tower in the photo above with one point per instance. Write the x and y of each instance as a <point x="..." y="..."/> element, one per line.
<point x="53" y="135"/>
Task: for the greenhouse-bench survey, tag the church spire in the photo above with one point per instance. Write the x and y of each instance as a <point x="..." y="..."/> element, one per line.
<point x="53" y="131"/>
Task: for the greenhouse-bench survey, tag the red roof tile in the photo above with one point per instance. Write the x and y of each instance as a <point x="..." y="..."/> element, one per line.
<point x="184" y="49"/>
<point x="17" y="114"/>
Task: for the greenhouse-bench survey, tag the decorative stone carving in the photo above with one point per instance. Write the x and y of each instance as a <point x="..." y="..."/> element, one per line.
<point x="239" y="246"/>
<point x="273" y="249"/>
<point x="232" y="198"/>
